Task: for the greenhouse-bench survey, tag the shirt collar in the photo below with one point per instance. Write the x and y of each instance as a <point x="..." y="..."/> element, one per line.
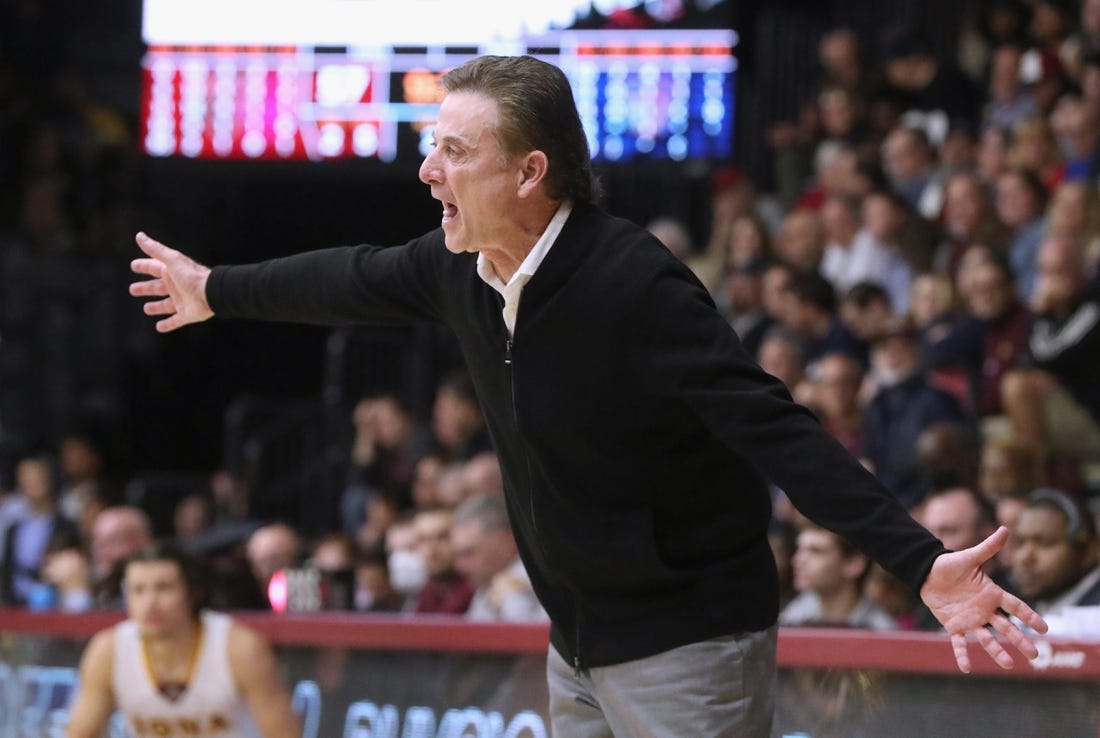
<point x="530" y="264"/>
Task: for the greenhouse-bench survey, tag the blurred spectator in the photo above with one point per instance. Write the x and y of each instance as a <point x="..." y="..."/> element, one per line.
<point x="990" y="342"/>
<point x="800" y="242"/>
<point x="835" y="399"/>
<point x="840" y="58"/>
<point x="81" y="465"/>
<point x="230" y="497"/>
<point x="13" y="508"/>
<point x="1009" y="101"/>
<point x="446" y="591"/>
<point x="866" y="255"/>
<point x="335" y="555"/>
<point x="904" y="405"/>
<point x="1035" y="149"/>
<point x="194" y="515"/>
<point x="674" y="234"/>
<point x="27" y="539"/>
<point x="482" y="477"/>
<point x="1085" y="41"/>
<point x="1021" y="199"/>
<point x="1042" y="72"/>
<point x="67" y="570"/>
<point x="388" y="445"/>
<point x="733" y="197"/>
<point x="885" y="591"/>
<point x="932" y="306"/>
<point x="1055" y="405"/>
<point x="117" y="533"/>
<point x="457" y="420"/>
<point x="968" y="218"/>
<point x="425" y="486"/>
<point x="1090" y="79"/>
<point x="406" y="568"/>
<point x="884" y="219"/>
<point x="451" y="488"/>
<point x="866" y="311"/>
<point x="333" y="552"/>
<point x="781" y="356"/>
<point x="1075" y="214"/>
<point x="948" y="454"/>
<point x="959" y="517"/>
<point x="828" y="575"/>
<point x="910" y="165"/>
<point x="932" y="90"/>
<point x="374" y="592"/>
<point x="750" y="242"/>
<point x="811" y="317"/>
<point x="1078" y="123"/>
<point x="1056" y="565"/>
<point x="992" y="155"/>
<point x="271" y="548"/>
<point x="485" y="554"/>
<point x="773" y="290"/>
<point x="1007" y="469"/>
<point x="382" y="509"/>
<point x="744" y="304"/>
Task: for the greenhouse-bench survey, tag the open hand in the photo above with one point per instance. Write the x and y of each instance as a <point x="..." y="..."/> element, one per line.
<point x="179" y="281"/>
<point x="967" y="602"/>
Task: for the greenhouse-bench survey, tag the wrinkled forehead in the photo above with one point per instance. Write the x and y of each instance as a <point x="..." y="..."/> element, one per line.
<point x="466" y="116"/>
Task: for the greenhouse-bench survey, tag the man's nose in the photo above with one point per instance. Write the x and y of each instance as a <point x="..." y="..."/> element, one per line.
<point x="429" y="172"/>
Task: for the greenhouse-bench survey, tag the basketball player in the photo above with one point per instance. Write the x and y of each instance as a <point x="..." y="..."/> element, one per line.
<point x="176" y="670"/>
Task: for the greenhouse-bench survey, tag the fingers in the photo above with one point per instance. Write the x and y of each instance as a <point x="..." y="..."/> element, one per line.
<point x="152" y="247"/>
<point x="1014" y="635"/>
<point x="150" y="267"/>
<point x="962" y="656"/>
<point x="994" y="648"/>
<point x="989" y="548"/>
<point x="149" y="288"/>
<point x="1013" y="605"/>
<point x="170" y="324"/>
<point x="161" y="307"/>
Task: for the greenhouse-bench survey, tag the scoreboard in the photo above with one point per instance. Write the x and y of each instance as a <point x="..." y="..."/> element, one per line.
<point x="223" y="92"/>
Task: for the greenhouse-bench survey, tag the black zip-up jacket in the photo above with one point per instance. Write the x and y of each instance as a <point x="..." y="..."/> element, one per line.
<point x="634" y="433"/>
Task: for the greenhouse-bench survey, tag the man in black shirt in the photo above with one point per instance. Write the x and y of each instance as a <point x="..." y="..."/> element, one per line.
<point x="613" y="382"/>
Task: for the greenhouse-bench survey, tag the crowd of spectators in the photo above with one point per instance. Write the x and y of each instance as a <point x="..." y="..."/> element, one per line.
<point x="924" y="275"/>
<point x="925" y="278"/>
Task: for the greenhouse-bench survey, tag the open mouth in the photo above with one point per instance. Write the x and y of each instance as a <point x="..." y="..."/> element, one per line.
<point x="450" y="211"/>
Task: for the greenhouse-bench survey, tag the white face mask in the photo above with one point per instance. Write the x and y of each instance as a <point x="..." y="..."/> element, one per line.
<point x="408" y="572"/>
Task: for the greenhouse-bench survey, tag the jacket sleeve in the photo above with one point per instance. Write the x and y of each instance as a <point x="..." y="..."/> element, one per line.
<point x="694" y="357"/>
<point x="360" y="284"/>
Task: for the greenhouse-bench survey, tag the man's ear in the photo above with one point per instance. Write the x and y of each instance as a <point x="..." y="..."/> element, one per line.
<point x="532" y="172"/>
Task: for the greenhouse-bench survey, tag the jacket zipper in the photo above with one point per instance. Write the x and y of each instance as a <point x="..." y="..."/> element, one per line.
<point x="577" y="667"/>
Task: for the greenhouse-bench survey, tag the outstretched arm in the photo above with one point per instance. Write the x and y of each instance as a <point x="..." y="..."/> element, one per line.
<point x="966" y="602"/>
<point x="179" y="281"/>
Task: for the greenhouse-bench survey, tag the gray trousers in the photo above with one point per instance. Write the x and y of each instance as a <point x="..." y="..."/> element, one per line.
<point x="721" y="687"/>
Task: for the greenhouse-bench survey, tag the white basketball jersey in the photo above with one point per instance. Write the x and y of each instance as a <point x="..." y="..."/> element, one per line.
<point x="210" y="707"/>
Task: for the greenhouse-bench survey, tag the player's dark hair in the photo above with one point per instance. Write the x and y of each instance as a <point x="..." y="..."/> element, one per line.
<point x="191" y="569"/>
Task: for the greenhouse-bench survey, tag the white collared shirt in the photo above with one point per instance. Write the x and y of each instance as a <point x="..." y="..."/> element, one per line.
<point x="519" y="280"/>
